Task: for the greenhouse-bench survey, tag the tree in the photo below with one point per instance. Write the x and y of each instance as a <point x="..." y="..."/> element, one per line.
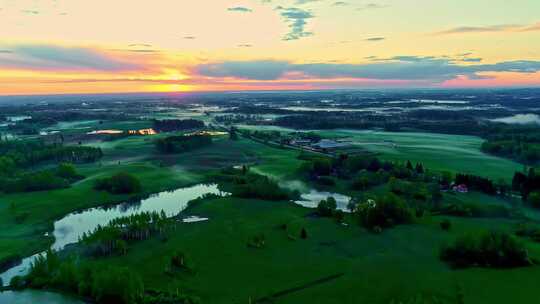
<point x="446" y="224"/>
<point x="121" y="183"/>
<point x="67" y="171"/>
<point x="322" y="166"/>
<point x="492" y="249"/>
<point x="409" y="165"/>
<point x="117" y="285"/>
<point x="7" y="166"/>
<point x="419" y="168"/>
<point x="385" y="211"/>
<point x="233" y="135"/>
<point x="534" y="199"/>
<point x="303" y="234"/>
<point x="327" y="207"/>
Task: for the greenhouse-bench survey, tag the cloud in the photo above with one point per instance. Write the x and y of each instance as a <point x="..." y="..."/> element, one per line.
<point x="301" y="2"/>
<point x="297" y="20"/>
<point x="259" y="70"/>
<point x="530" y="28"/>
<point x="375" y="39"/>
<point x="370" y="6"/>
<point x="340" y="3"/>
<point x="137" y="50"/>
<point x="190" y="37"/>
<point x="410" y="68"/>
<point x="49" y="57"/>
<point x="245" y="45"/>
<point x="240" y="9"/>
<point x="479" y="29"/>
<point x="490" y="29"/>
<point x="30" y="12"/>
<point x="140" y="45"/>
<point x="471" y="59"/>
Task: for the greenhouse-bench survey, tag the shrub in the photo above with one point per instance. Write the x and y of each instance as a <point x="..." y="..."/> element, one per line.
<point x="67" y="171"/>
<point x="339" y="216"/>
<point x="17" y="282"/>
<point x="534" y="199"/>
<point x="160" y="297"/>
<point x="180" y="261"/>
<point x="446" y="224"/>
<point x="259" y="187"/>
<point x="35" y="181"/>
<point x="492" y="249"/>
<point x="326" y="181"/>
<point x="121" y="183"/>
<point x="321" y="166"/>
<point x="530" y="231"/>
<point x="257" y="241"/>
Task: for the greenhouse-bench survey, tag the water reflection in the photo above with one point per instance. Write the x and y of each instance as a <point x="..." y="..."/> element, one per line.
<point x="69" y="229"/>
<point x="36" y="297"/>
<point x="313" y="197"/>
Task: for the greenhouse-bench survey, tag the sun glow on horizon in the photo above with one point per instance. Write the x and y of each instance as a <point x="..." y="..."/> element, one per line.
<point x="202" y="45"/>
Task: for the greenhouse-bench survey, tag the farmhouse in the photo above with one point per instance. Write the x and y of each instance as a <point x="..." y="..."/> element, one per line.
<point x="461" y="188"/>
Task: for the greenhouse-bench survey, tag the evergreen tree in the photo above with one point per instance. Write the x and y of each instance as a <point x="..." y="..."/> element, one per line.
<point x="409" y="165"/>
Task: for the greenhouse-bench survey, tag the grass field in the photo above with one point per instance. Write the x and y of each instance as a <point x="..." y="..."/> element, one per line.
<point x="134" y="155"/>
<point x="398" y="264"/>
<point x="38" y="210"/>
<point x="336" y="264"/>
<point x="85" y="126"/>
<point x="442" y="152"/>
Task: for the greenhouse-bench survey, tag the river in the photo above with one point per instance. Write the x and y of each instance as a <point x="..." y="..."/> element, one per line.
<point x="68" y="229"/>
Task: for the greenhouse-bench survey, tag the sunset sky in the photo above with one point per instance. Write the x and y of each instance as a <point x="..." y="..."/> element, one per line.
<point x="104" y="46"/>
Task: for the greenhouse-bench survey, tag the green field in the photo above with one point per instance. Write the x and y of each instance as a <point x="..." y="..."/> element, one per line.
<point x="134" y="155"/>
<point x="40" y="209"/>
<point x="442" y="152"/>
<point x="399" y="264"/>
<point x="336" y="264"/>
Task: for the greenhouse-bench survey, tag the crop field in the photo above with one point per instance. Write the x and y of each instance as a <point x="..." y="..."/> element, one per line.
<point x="441" y="152"/>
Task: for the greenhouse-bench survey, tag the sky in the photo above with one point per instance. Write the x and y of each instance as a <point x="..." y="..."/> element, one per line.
<point x="108" y="46"/>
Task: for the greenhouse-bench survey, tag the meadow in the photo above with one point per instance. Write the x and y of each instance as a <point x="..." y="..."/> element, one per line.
<point x="335" y="264"/>
<point x="440" y="152"/>
<point x="26" y="217"/>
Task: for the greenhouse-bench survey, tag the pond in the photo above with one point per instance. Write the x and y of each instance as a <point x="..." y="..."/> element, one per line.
<point x="68" y="229"/>
<point x="35" y="297"/>
<point x="312" y="198"/>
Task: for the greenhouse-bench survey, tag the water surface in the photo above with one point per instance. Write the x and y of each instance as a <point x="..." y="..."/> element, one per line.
<point x="36" y="297"/>
<point x="70" y="228"/>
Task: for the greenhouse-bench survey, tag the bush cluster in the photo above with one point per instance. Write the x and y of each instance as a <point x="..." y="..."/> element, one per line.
<point x="121" y="183"/>
<point x="492" y="249"/>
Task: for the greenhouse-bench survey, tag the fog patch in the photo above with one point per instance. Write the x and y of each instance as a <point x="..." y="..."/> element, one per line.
<point x="521" y="119"/>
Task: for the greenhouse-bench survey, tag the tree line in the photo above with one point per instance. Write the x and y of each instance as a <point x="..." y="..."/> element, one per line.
<point x="182" y="143"/>
<point x="171" y="125"/>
